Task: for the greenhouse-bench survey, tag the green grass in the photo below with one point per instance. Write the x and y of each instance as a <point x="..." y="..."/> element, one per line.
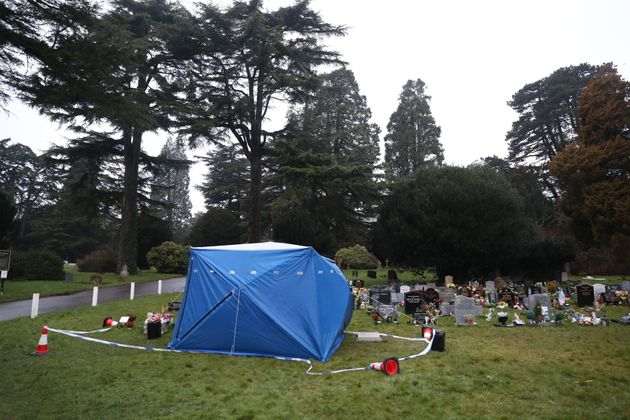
<point x="564" y="371"/>
<point x="404" y="276"/>
<point x="601" y="279"/>
<point x="24" y="289"/>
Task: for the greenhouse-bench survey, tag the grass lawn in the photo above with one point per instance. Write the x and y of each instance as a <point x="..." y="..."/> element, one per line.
<point x="24" y="289"/>
<point x="600" y="279"/>
<point x="564" y="371"/>
<point x="404" y="276"/>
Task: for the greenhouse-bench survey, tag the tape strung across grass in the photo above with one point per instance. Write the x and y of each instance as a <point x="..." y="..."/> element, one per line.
<point x="78" y="334"/>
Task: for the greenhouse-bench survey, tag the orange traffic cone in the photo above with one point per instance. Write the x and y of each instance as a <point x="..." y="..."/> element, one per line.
<point x="42" y="346"/>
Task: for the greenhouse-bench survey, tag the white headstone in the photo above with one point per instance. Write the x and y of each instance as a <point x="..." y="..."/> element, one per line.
<point x="564" y="277"/>
<point x="405" y="289"/>
<point x="448" y="280"/>
<point x="598" y="289"/>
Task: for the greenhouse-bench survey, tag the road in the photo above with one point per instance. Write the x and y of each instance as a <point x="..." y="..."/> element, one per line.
<point x="12" y="310"/>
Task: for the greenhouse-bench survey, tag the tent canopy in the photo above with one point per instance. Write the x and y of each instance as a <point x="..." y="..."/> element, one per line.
<point x="263" y="299"/>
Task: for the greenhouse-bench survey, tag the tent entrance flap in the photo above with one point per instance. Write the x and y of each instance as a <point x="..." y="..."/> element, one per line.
<point x="207" y="314"/>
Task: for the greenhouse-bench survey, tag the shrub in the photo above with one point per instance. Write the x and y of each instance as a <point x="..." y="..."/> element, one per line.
<point x="36" y="265"/>
<point x="355" y="257"/>
<point x="216" y="227"/>
<point x="100" y="261"/>
<point x="169" y="258"/>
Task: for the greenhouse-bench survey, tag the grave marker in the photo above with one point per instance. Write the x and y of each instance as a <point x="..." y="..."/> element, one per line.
<point x="371" y="274"/>
<point x="448" y="280"/>
<point x="465" y="311"/>
<point x="585" y="295"/>
<point x="506" y="295"/>
<point x="392" y="275"/>
<point x="598" y="289"/>
<point x="405" y="289"/>
<point x="431" y="296"/>
<point x="413" y="300"/>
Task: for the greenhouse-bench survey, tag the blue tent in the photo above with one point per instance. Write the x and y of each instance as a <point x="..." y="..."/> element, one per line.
<point x="263" y="299"/>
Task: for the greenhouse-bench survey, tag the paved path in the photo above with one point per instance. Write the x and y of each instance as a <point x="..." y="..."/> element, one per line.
<point x="12" y="310"/>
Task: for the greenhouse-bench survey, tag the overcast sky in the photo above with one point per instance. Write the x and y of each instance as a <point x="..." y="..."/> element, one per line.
<point x="472" y="55"/>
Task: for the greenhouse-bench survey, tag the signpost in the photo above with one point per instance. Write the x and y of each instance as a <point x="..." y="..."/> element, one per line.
<point x="5" y="263"/>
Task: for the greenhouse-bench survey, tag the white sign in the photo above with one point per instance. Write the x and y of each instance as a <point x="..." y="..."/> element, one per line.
<point x="3" y="274"/>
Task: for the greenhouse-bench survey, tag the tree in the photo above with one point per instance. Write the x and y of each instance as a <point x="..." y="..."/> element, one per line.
<point x="326" y="189"/>
<point x="24" y="177"/>
<point x="216" y="227"/>
<point x="7" y="217"/>
<point x="594" y="170"/>
<point x="116" y="69"/>
<point x="169" y="189"/>
<point x="412" y="139"/>
<point x="547" y="119"/>
<point x="249" y="58"/>
<point x="464" y="221"/>
<point x="226" y="183"/>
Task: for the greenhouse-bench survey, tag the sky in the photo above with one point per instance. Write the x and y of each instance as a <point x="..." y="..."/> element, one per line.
<point x="472" y="55"/>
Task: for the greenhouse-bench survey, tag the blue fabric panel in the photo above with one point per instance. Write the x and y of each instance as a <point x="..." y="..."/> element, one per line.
<point x="287" y="302"/>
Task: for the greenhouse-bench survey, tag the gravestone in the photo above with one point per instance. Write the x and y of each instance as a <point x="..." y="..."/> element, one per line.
<point x="355" y="273"/>
<point x="380" y="297"/>
<point x="413" y="301"/>
<point x="392" y="275"/>
<point x="625" y="285"/>
<point x="499" y="283"/>
<point x="397" y="298"/>
<point x="448" y="295"/>
<point x="598" y="289"/>
<point x="610" y="298"/>
<point x="474" y="284"/>
<point x="431" y="286"/>
<point x="420" y="317"/>
<point x="585" y="295"/>
<point x="490" y="285"/>
<point x="506" y="295"/>
<point x="448" y="280"/>
<point x="464" y="310"/>
<point x="446" y="308"/>
<point x="613" y="287"/>
<point x="564" y="277"/>
<point x="431" y="296"/>
<point x="358" y="284"/>
<point x="405" y="289"/>
<point x="69" y="276"/>
<point x="537" y="299"/>
<point x="371" y="274"/>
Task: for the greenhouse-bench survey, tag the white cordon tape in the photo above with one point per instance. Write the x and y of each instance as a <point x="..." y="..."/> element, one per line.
<point x="77" y="334"/>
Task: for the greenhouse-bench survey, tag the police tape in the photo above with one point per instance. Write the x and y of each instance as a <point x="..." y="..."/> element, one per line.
<point x="78" y="334"/>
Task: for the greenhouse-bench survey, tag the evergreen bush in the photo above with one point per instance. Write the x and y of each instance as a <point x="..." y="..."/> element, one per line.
<point x="169" y="257"/>
<point x="99" y="261"/>
<point x="36" y="265"/>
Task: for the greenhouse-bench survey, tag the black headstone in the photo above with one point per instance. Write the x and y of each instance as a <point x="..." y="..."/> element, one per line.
<point x="585" y="295"/>
<point x="371" y="274"/>
<point x="355" y="273"/>
<point x="420" y="317"/>
<point x="392" y="275"/>
<point x="413" y="300"/>
<point x="431" y="296"/>
<point x="380" y="297"/>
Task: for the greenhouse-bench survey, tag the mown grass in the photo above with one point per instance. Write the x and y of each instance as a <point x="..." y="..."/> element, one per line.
<point x="24" y="289"/>
<point x="404" y="276"/>
<point x="600" y="279"/>
<point x="566" y="371"/>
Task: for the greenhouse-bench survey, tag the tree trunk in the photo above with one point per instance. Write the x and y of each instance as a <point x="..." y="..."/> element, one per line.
<point x="255" y="199"/>
<point x="128" y="239"/>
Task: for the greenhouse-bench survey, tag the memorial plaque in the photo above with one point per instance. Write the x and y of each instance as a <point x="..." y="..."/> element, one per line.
<point x="431" y="296"/>
<point x="413" y="300"/>
<point x="371" y="274"/>
<point x="585" y="295"/>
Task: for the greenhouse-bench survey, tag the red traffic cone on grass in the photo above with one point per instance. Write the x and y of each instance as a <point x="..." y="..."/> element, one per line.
<point x="388" y="366"/>
<point x="42" y="346"/>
